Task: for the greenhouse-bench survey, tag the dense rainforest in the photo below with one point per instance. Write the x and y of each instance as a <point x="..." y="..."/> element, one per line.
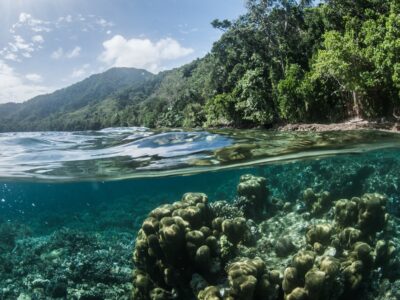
<point x="284" y="61"/>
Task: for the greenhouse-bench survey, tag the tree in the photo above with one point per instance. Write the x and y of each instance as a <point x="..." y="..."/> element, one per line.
<point x="253" y="99"/>
<point x="364" y="58"/>
<point x="341" y="59"/>
<point x="222" y="25"/>
<point x="193" y="115"/>
<point x="220" y="110"/>
<point x="291" y="99"/>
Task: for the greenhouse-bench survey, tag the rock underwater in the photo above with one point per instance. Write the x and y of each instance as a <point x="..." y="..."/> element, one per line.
<point x="260" y="248"/>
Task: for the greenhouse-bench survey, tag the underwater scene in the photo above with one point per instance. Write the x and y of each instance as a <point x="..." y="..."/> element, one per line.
<point x="134" y="213"/>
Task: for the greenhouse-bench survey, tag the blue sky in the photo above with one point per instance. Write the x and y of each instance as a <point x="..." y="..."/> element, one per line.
<point x="49" y="44"/>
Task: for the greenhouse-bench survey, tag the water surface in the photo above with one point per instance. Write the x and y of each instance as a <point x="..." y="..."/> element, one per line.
<point x="121" y="153"/>
<point x="71" y="203"/>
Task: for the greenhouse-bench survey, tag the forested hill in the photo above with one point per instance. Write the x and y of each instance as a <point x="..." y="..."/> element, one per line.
<point x="51" y="111"/>
<point x="283" y="61"/>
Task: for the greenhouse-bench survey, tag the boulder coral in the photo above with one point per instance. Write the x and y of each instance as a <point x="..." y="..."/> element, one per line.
<point x="193" y="250"/>
<point x="314" y="274"/>
<point x="316" y="203"/>
<point x="252" y="196"/>
<point x="246" y="279"/>
<point x="179" y="240"/>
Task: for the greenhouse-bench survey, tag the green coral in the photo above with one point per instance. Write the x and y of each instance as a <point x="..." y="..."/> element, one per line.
<point x="371" y="213"/>
<point x="346" y="211"/>
<point x="320" y="233"/>
<point x="284" y="246"/>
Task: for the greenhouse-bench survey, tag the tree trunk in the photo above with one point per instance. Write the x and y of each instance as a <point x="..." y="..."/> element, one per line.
<point x="356" y="105"/>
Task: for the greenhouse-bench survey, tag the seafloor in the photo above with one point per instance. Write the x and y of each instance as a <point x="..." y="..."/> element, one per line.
<point x="298" y="234"/>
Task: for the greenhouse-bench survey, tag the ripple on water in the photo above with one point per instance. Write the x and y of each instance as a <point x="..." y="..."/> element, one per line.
<point x="128" y="152"/>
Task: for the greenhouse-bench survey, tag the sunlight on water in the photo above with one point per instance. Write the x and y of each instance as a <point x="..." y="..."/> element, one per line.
<point x="117" y="153"/>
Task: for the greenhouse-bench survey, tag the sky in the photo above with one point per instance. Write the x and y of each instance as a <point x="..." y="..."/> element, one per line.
<point x="49" y="44"/>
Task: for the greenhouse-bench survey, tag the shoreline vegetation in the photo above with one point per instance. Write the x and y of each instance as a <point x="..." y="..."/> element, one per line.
<point x="282" y="62"/>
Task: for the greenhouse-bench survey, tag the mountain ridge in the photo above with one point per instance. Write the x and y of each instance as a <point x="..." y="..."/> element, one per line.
<point x="93" y="89"/>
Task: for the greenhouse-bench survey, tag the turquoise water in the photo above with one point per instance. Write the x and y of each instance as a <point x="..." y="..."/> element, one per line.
<point x="71" y="204"/>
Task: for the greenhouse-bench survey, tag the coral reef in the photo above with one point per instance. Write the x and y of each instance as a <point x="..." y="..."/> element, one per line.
<point x="247" y="279"/>
<point x="316" y="203"/>
<point x="67" y="264"/>
<point x="193" y="250"/>
<point x="252" y="196"/>
<point x="343" y="176"/>
<point x="179" y="240"/>
<point x="92" y="259"/>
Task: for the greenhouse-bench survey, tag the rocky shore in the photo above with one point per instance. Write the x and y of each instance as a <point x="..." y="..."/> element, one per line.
<point x="355" y="124"/>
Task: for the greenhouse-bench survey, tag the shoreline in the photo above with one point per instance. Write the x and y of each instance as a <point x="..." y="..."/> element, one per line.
<point x="355" y="124"/>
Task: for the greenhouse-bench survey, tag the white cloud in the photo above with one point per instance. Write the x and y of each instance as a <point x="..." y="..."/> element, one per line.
<point x="11" y="56"/>
<point x="29" y="34"/>
<point x="38" y="39"/>
<point x="16" y="48"/>
<point x="74" y="52"/>
<point x="13" y="87"/>
<point x="20" y="44"/>
<point x="80" y="72"/>
<point x="103" y="23"/>
<point x="34" y="77"/>
<point x="141" y="53"/>
<point x="24" y="17"/>
<point x="60" y="53"/>
<point x="86" y="23"/>
<point x="185" y="29"/>
<point x="36" y="25"/>
<point x="57" y="54"/>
